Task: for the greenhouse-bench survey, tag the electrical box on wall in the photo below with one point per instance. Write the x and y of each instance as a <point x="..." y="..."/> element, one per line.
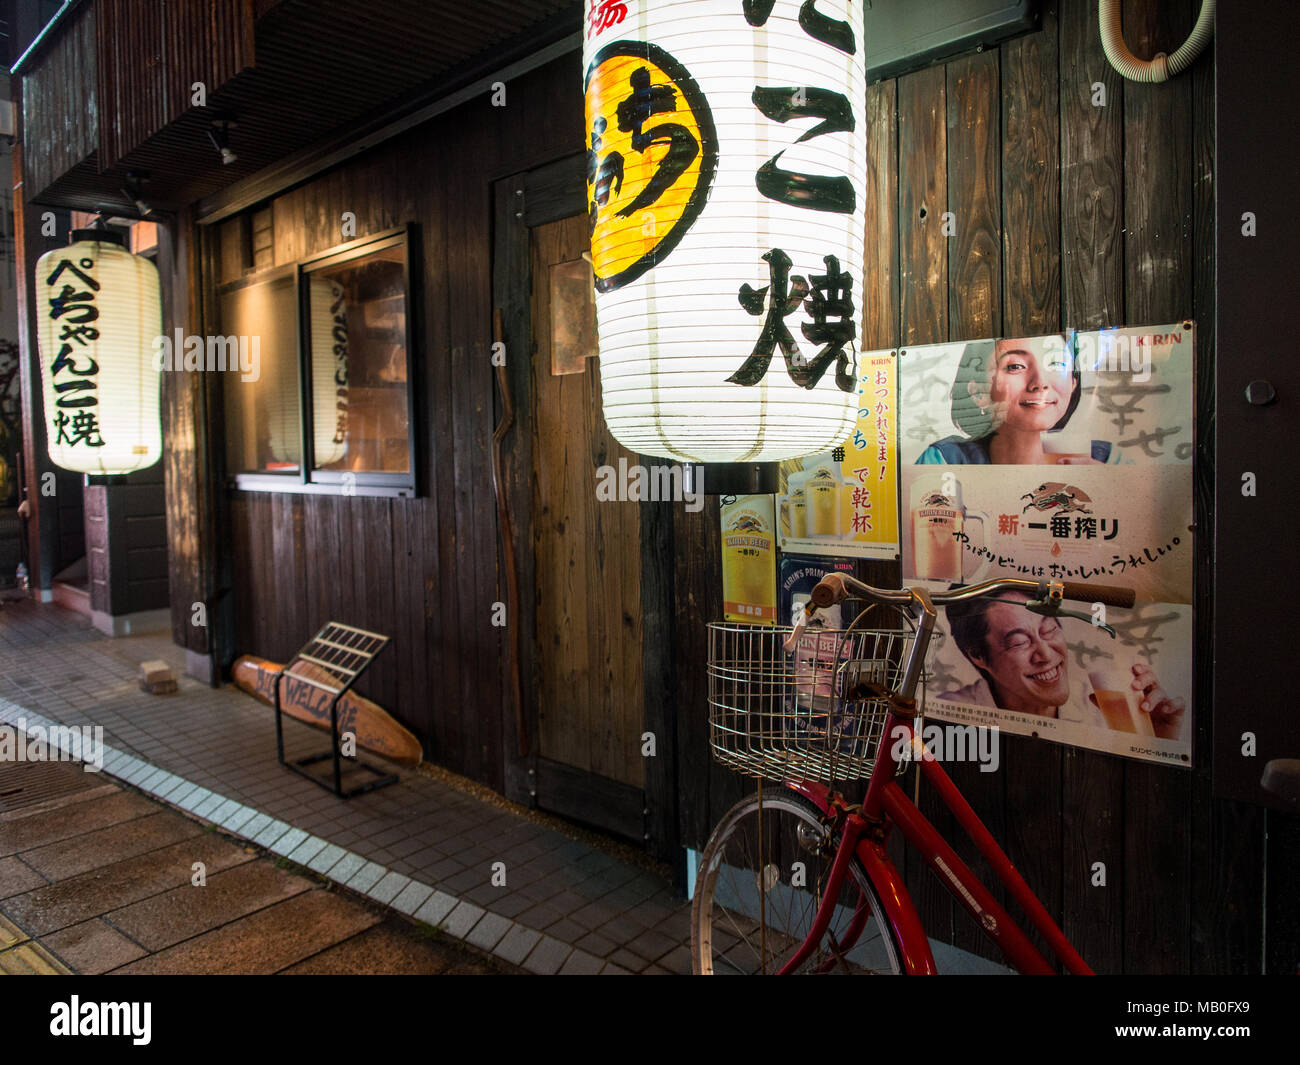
<point x="902" y="35"/>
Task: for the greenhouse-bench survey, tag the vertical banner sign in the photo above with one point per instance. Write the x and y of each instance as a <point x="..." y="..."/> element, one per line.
<point x="748" y="559"/>
<point x="1064" y="457"/>
<point x="725" y="186"/>
<point x="844" y="502"/>
<point x="99" y="310"/>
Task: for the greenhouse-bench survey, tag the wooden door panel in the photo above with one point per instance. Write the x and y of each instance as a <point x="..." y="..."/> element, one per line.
<point x="588" y="557"/>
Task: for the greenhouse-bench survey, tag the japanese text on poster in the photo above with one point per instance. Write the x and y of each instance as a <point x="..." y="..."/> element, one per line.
<point x="845" y="502"/>
<point x="1064" y="457"/>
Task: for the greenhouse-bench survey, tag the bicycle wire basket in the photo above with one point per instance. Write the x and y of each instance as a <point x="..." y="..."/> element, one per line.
<point x="811" y="709"/>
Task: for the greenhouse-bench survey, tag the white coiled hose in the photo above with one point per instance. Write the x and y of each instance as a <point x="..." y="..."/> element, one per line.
<point x="1161" y="67"/>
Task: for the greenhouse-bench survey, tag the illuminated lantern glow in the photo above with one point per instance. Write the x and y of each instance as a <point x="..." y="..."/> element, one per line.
<point x="329" y="370"/>
<point x="99" y="310"/>
<point x="726" y="170"/>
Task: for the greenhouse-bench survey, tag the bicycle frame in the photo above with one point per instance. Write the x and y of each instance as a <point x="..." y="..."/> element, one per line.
<point x="864" y="832"/>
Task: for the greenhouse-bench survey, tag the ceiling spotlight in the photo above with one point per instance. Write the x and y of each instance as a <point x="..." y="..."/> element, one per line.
<point x="131" y="190"/>
<point x="219" y="135"/>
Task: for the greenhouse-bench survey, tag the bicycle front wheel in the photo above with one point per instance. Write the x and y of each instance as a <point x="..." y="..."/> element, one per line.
<point x="761" y="879"/>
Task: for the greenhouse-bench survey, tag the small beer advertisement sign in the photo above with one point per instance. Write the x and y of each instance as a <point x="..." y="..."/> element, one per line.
<point x="1064" y="457"/>
<point x="748" y="559"/>
<point x="818" y="657"/>
<point x="799" y="576"/>
<point x="844" y="502"/>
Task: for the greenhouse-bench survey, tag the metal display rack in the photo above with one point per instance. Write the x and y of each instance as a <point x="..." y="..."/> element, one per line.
<point x="331" y="661"/>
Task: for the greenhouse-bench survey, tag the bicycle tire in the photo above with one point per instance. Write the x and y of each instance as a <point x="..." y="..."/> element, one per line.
<point x="729" y="889"/>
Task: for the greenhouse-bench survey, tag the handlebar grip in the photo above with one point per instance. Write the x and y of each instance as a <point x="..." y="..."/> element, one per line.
<point x="1110" y="594"/>
<point x="829" y="591"/>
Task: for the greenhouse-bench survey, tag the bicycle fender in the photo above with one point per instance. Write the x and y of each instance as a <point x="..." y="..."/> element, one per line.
<point x="909" y="933"/>
<point x="818" y="794"/>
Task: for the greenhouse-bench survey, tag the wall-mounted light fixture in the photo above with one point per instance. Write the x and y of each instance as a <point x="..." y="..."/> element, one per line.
<point x="219" y="135"/>
<point x="132" y="186"/>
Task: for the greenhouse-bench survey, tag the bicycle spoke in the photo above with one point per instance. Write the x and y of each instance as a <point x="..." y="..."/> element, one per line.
<point x="744" y="938"/>
<point x="837" y="952"/>
<point x="760" y="893"/>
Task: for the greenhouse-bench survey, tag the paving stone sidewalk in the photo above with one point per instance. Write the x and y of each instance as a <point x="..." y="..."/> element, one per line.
<point x="425" y="847"/>
<point x="97" y="879"/>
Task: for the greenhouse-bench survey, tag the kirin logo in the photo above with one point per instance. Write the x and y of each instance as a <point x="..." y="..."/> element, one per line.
<point x="1059" y="497"/>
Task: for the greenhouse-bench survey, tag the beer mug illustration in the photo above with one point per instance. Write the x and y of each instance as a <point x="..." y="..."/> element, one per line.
<point x="793" y="507"/>
<point x="940" y="529"/>
<point x="823" y="492"/>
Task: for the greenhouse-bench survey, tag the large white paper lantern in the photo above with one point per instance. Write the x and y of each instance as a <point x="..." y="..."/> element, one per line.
<point x="98" y="311"/>
<point x="725" y="182"/>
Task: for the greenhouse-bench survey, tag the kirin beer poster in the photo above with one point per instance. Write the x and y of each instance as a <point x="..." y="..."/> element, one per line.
<point x="844" y="502"/>
<point x="1063" y="457"/>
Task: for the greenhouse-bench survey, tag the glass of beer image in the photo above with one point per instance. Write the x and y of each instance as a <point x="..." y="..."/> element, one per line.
<point x="1067" y="445"/>
<point x="939" y="520"/>
<point x="822" y="492"/>
<point x="1114" y="696"/>
<point x="794" y="508"/>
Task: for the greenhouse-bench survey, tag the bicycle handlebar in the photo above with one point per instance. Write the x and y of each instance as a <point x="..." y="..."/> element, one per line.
<point x="1109" y="594"/>
<point x="835" y="587"/>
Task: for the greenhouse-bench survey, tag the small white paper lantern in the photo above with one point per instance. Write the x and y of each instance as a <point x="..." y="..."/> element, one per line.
<point x="726" y="173"/>
<point x="99" y="310"/>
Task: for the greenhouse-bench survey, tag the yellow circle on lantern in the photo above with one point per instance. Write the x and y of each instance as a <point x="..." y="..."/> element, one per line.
<point x="627" y="240"/>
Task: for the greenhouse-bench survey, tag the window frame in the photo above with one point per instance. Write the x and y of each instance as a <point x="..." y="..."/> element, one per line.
<point x="329" y="482"/>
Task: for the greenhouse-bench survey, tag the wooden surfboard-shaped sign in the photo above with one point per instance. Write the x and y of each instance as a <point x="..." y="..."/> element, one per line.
<point x="375" y="729"/>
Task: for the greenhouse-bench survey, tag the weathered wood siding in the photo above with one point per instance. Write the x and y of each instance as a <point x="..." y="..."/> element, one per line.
<point x="422" y="570"/>
<point x="150" y="56"/>
<point x="60" y="101"/>
<point x="1068" y="214"/>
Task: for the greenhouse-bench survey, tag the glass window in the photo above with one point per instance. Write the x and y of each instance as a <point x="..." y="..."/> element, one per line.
<point x="263" y="427"/>
<point x="356" y="311"/>
<point x="328" y="407"/>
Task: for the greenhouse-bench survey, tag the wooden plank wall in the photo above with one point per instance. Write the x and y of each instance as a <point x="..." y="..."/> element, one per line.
<point x="187" y="488"/>
<point x="422" y="570"/>
<point x="1067" y="214"/>
<point x="60" y="104"/>
<point x="151" y="54"/>
<point x="126" y="544"/>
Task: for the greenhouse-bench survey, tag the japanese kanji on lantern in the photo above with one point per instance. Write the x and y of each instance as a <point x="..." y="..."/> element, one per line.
<point x="98" y="311"/>
<point x="725" y="187"/>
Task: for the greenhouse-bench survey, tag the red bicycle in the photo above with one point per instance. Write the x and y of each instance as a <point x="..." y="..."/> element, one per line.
<point x="795" y="879"/>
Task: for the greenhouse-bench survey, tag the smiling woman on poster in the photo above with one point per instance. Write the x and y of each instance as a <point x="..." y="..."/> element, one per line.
<point x="1006" y="397"/>
<point x="1024" y="666"/>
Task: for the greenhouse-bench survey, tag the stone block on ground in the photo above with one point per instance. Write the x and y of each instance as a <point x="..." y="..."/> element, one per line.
<point x="156" y="677"/>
